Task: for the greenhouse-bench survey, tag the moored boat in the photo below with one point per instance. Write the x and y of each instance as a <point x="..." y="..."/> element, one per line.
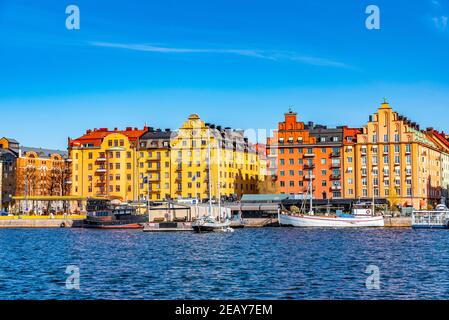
<point x="209" y="224"/>
<point x="363" y="215"/>
<point x="431" y="219"/>
<point x="349" y="220"/>
<point x="104" y="214"/>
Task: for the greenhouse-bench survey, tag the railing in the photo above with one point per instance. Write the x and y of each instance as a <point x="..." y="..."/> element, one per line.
<point x="430" y="218"/>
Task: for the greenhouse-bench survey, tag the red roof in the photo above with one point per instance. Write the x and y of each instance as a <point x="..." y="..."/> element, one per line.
<point x="96" y="136"/>
<point x="442" y="137"/>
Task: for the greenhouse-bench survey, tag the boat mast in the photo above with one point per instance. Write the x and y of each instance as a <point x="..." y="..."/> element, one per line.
<point x="218" y="174"/>
<point x="208" y="172"/>
<point x="311" y="193"/>
<point x="374" y="206"/>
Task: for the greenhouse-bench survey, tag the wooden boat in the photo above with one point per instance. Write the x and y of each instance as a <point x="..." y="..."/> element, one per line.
<point x="363" y="215"/>
<point x="350" y="220"/>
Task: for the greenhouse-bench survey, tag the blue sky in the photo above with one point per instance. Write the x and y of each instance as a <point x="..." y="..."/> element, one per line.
<point x="235" y="63"/>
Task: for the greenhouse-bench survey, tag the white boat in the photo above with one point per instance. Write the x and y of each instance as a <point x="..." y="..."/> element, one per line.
<point x="436" y="219"/>
<point x="363" y="215"/>
<point x="209" y="224"/>
<point x="306" y="220"/>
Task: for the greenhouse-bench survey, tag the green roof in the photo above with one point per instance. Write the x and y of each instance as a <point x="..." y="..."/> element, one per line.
<point x="264" y="197"/>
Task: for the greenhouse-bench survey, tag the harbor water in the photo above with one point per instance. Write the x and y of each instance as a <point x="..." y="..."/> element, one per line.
<point x="267" y="263"/>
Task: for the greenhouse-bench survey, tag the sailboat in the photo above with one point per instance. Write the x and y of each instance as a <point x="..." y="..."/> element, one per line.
<point x="209" y="223"/>
<point x="362" y="216"/>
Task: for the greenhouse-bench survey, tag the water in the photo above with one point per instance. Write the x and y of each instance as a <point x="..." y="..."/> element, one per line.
<point x="270" y="263"/>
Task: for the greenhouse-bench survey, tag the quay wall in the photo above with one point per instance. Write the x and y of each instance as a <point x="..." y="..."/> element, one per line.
<point x="400" y="222"/>
<point x="38" y="222"/>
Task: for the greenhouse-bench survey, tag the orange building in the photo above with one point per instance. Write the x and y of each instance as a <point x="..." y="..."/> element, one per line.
<point x="301" y="154"/>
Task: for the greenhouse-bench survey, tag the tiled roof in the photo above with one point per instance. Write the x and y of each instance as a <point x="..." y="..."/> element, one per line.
<point x="96" y="136"/>
<point x="44" y="153"/>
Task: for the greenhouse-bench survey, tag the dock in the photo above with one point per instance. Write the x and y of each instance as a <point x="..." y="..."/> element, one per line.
<point x="167" y="227"/>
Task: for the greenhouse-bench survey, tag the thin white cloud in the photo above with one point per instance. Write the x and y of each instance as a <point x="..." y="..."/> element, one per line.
<point x="261" y="54"/>
<point x="440" y="23"/>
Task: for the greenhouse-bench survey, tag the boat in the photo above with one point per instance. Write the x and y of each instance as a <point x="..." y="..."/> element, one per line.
<point x="363" y="215"/>
<point x="431" y="219"/>
<point x="334" y="221"/>
<point x="105" y="214"/>
<point x="209" y="224"/>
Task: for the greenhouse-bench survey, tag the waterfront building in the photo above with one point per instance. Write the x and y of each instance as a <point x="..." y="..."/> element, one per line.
<point x="30" y="172"/>
<point x="350" y="162"/>
<point x="397" y="161"/>
<point x="105" y="163"/>
<point x="43" y="172"/>
<point x="301" y="154"/>
<point x="208" y="157"/>
<point x="9" y="151"/>
<point x="439" y="138"/>
<point x="155" y="166"/>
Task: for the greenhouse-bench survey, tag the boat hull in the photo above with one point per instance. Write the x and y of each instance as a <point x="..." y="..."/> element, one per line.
<point x="329" y="222"/>
<point x="209" y="227"/>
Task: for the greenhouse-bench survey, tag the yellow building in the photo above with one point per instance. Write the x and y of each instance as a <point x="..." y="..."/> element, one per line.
<point x="105" y="164"/>
<point x="175" y="164"/>
<point x="397" y="161"/>
<point x="136" y="165"/>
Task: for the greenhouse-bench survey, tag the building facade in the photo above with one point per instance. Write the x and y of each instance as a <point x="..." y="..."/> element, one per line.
<point x="208" y="157"/>
<point x="9" y="151"/>
<point x="196" y="161"/>
<point x="303" y="156"/>
<point x="104" y="163"/>
<point x="397" y="161"/>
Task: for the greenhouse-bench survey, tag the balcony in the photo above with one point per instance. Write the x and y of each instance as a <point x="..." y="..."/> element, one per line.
<point x="154" y="159"/>
<point x="68" y="182"/>
<point x="335" y="154"/>
<point x="179" y="168"/>
<point x="101" y="159"/>
<point x="309" y="166"/>
<point x="335" y="177"/>
<point x="157" y="168"/>
<point x="101" y="170"/>
<point x="309" y="177"/>
<point x="155" y="179"/>
<point x="335" y="165"/>
<point x="309" y="155"/>
<point x="363" y="152"/>
<point x="335" y="188"/>
<point x="100" y="182"/>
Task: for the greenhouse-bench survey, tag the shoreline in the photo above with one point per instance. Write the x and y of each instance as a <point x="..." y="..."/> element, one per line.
<point x="38" y="222"/>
